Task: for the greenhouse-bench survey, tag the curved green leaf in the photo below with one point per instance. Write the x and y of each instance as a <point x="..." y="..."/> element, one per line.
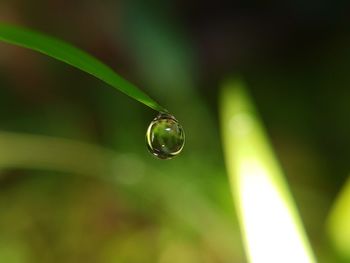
<point x="75" y="57"/>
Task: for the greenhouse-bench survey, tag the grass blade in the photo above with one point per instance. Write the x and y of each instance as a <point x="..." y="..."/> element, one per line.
<point x="75" y="57"/>
<point x="271" y="228"/>
<point x="54" y="154"/>
<point x="338" y="223"/>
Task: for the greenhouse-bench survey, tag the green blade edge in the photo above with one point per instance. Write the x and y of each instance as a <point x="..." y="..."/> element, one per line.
<point x="75" y="57"/>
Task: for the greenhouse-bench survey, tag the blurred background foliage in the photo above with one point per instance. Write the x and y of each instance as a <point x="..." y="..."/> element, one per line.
<point x="77" y="183"/>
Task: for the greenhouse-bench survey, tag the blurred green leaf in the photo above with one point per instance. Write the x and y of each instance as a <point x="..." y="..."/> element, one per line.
<point x="271" y="228"/>
<point x="75" y="57"/>
<point x="338" y="224"/>
<point x="56" y="154"/>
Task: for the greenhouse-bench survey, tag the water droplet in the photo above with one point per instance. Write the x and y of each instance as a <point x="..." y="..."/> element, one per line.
<point x="165" y="137"/>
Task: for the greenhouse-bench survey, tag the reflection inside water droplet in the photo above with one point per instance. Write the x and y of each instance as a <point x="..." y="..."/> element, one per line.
<point x="165" y="137"/>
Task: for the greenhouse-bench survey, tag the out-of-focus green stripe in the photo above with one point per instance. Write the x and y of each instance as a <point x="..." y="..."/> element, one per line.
<point x="271" y="228"/>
